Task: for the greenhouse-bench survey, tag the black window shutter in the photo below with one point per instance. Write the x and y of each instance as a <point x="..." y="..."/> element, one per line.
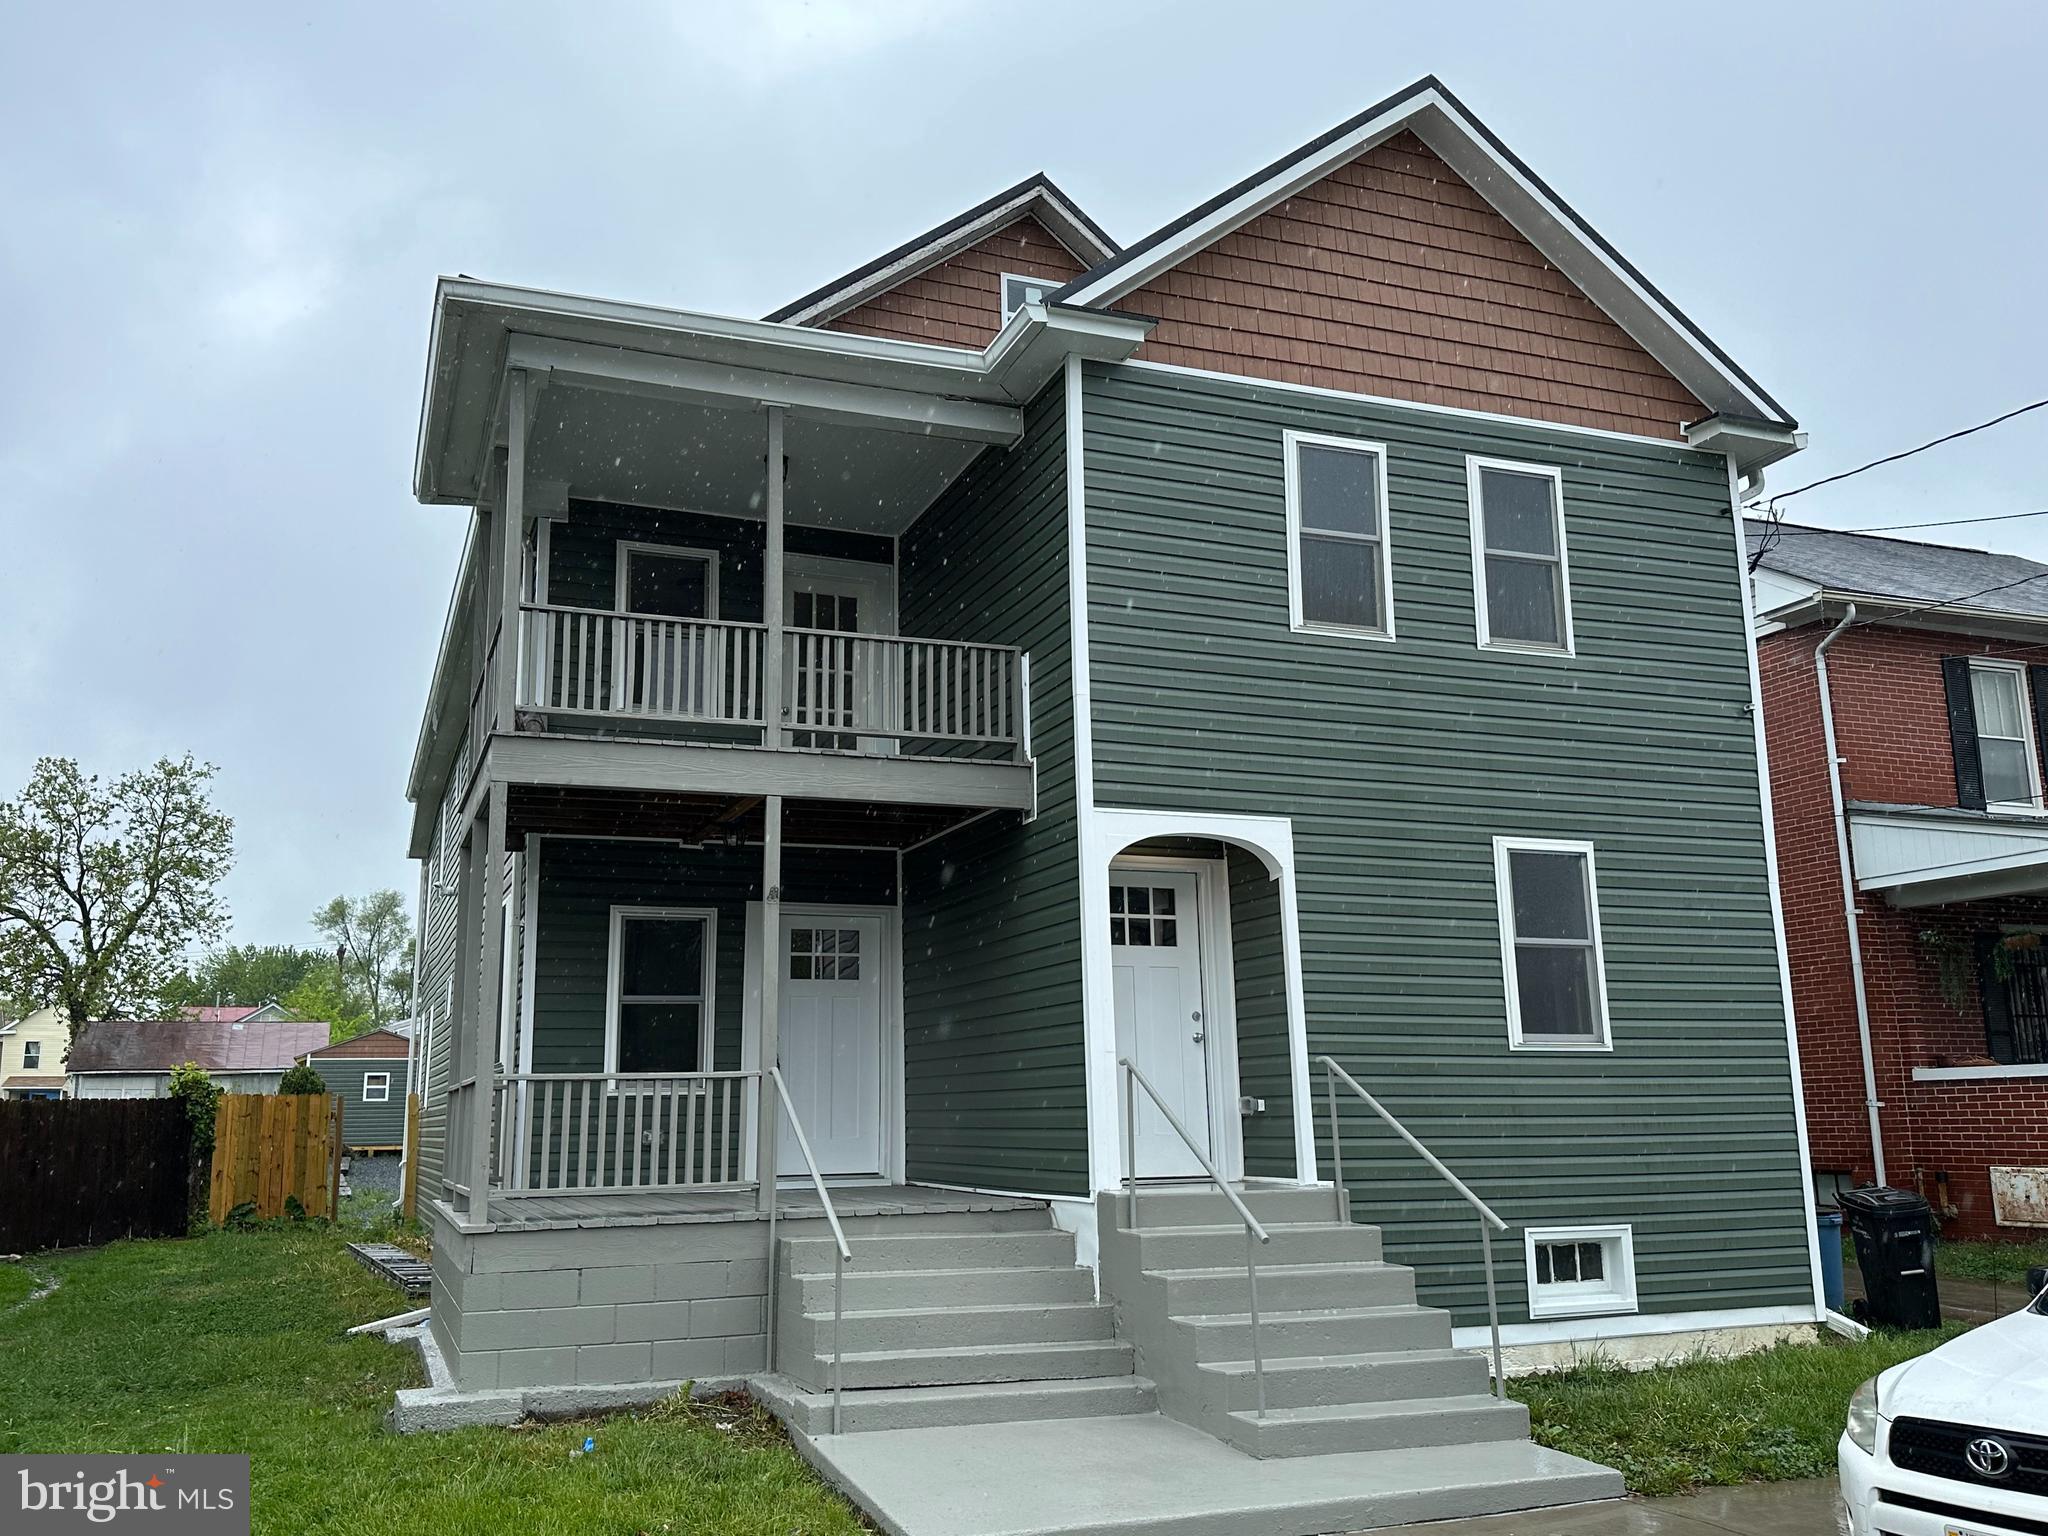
<point x="1962" y="732"/>
<point x="1997" y="1001"/>
<point x="2037" y="689"/>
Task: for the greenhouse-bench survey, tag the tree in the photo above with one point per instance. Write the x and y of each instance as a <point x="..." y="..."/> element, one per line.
<point x="324" y="998"/>
<point x="201" y="1097"/>
<point x="300" y="1078"/>
<point x="104" y="887"/>
<point x="372" y="939"/>
<point x="247" y="975"/>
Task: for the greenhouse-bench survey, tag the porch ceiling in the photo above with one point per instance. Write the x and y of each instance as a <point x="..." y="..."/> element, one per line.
<point x="697" y="819"/>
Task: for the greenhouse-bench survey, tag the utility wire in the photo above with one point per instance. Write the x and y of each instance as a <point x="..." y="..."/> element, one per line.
<point x="1894" y="615"/>
<point x="1938" y="522"/>
<point x="1893" y="458"/>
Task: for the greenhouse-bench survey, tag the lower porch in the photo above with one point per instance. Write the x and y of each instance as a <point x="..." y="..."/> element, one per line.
<point x="687" y="1207"/>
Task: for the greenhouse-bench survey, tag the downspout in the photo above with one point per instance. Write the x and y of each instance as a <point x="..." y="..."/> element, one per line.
<point x="1871" y="1103"/>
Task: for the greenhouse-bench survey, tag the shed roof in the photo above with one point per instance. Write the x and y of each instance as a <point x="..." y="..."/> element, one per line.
<point x="382" y="1043"/>
<point x="157" y="1045"/>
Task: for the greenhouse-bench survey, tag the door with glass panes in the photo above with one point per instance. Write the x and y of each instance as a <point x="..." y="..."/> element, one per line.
<point x="835" y="677"/>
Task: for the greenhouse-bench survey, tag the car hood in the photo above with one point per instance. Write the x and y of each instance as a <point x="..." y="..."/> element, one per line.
<point x="1995" y="1376"/>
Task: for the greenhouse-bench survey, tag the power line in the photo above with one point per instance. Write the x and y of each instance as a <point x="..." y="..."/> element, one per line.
<point x="1894" y="615"/>
<point x="1938" y="522"/>
<point x="1893" y="458"/>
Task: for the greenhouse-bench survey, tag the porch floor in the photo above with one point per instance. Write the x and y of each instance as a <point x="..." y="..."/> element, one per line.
<point x="655" y="1208"/>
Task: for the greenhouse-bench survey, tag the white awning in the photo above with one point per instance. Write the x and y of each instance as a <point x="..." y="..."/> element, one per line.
<point x="1921" y="857"/>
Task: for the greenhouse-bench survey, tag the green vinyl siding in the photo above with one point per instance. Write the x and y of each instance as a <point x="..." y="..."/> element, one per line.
<point x="1398" y="763"/>
<point x="994" y="1094"/>
<point x="364" y="1124"/>
<point x="583" y="552"/>
<point x="581" y="880"/>
<point x="1259" y="977"/>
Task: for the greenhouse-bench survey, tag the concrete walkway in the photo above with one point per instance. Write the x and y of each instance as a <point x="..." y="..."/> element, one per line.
<point x="1760" y="1509"/>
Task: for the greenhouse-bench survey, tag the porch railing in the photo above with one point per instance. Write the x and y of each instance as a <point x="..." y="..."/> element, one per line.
<point x="840" y="691"/>
<point x="1489" y="1223"/>
<point x="562" y="1132"/>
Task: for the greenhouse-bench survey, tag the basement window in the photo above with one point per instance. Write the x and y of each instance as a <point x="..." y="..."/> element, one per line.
<point x="1580" y="1271"/>
<point x="376" y="1087"/>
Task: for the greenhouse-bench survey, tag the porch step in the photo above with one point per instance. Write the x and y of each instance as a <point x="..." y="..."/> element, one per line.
<point x="1067" y="1360"/>
<point x="943" y="1327"/>
<point x="999" y="1402"/>
<point x="1324" y="1429"/>
<point x="1289" y="1287"/>
<point x="872" y="1290"/>
<point x="1345" y="1331"/>
<point x="1334" y="1380"/>
<point x="1207" y="1207"/>
<point x="1222" y="1247"/>
<point x="1022" y="1248"/>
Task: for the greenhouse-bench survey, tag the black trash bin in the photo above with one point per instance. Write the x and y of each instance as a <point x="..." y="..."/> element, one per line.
<point x="1894" y="1234"/>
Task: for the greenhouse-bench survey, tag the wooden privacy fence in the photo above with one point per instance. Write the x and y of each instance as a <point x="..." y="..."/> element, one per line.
<point x="270" y="1147"/>
<point x="80" y="1171"/>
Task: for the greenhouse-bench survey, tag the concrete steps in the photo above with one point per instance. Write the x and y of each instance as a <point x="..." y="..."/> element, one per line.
<point x="1403" y="1424"/>
<point x="1338" y="1331"/>
<point x="1002" y="1402"/>
<point x="1318" y="1381"/>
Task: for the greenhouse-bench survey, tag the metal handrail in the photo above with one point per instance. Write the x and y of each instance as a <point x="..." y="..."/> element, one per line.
<point x="840" y="1258"/>
<point x="1489" y="1222"/>
<point x="1252" y="1228"/>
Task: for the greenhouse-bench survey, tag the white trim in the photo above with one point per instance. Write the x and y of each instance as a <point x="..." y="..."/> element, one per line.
<point x="1759" y="731"/>
<point x="529" y="945"/>
<point x="892" y="1134"/>
<point x="1098" y="1016"/>
<point x="1050" y="285"/>
<point x="1504" y="906"/>
<point x="1109" y="831"/>
<point x="625" y="549"/>
<point x="1393" y="403"/>
<point x="381" y="1078"/>
<point x="1624" y="1325"/>
<point x="1615" y="1293"/>
<point x="1539" y="216"/>
<point x="2024" y="700"/>
<point x="1979" y="1074"/>
<point x="1291" y="444"/>
<point x="1219" y="995"/>
<point x="707" y="1013"/>
<point x="1475" y="466"/>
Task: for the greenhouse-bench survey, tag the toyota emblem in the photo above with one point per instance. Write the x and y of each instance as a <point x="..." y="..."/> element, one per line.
<point x="1989" y="1457"/>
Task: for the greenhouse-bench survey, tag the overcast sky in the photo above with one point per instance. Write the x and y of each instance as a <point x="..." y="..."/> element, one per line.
<point x="218" y="244"/>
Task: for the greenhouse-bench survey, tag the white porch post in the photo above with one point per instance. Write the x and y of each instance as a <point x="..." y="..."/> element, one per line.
<point x="771" y="593"/>
<point x="511" y="533"/>
<point x="483" y="1052"/>
<point x="771" y="999"/>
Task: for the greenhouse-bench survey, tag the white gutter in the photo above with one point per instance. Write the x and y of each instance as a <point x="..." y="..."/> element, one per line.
<point x="1872" y="1105"/>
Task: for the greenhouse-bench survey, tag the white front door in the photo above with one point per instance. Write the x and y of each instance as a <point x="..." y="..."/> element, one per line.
<point x="831" y="1040"/>
<point x="1156" y="968"/>
<point x="834" y="679"/>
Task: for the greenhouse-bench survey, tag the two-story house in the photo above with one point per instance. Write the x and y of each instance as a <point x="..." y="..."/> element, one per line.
<point x="1906" y="701"/>
<point x="1035" y="721"/>
<point x="32" y="1054"/>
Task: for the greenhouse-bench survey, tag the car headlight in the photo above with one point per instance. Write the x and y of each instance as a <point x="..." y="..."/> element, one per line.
<point x="1863" y="1417"/>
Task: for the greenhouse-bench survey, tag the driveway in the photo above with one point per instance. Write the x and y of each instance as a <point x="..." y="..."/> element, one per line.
<point x="1759" y="1509"/>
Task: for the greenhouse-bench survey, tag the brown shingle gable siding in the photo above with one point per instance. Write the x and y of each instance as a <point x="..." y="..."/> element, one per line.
<point x="1392" y="276"/>
<point x="959" y="302"/>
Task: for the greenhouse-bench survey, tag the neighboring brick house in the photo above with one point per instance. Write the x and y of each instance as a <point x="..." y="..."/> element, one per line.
<point x="1939" y="688"/>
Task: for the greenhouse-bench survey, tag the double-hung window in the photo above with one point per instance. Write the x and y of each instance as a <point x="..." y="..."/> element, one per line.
<point x="1521" y="578"/>
<point x="658" y="1013"/>
<point x="31" y="1055"/>
<point x="1339" y="555"/>
<point x="2005" y="736"/>
<point x="1550" y="944"/>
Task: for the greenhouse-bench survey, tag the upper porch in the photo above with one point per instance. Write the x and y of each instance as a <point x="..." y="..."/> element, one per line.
<point x="644" y="606"/>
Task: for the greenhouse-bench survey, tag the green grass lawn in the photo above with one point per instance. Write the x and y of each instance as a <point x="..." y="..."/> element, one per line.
<point x="234" y="1342"/>
<point x="2004" y="1263"/>
<point x="1761" y="1418"/>
<point x="17" y="1284"/>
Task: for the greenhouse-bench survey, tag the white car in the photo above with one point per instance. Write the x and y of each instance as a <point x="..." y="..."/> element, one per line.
<point x="1955" y="1443"/>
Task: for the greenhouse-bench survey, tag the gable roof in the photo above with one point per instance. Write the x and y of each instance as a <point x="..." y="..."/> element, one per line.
<point x="1975" y="581"/>
<point x="158" y="1045"/>
<point x="1429" y="110"/>
<point x="382" y="1044"/>
<point x="1034" y="197"/>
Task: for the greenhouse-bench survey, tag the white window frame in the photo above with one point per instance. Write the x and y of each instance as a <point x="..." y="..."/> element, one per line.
<point x="382" y="1082"/>
<point x="1475" y="465"/>
<point x="1050" y="284"/>
<point x="2018" y="671"/>
<point x="621" y="570"/>
<point x="1292" y="443"/>
<point x="614" y="976"/>
<point x="1504" y="904"/>
<point x="31" y="1055"/>
<point x="1615" y="1293"/>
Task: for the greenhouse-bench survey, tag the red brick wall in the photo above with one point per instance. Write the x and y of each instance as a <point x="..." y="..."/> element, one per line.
<point x="1392" y="276"/>
<point x="959" y="302"/>
<point x="1891" y="724"/>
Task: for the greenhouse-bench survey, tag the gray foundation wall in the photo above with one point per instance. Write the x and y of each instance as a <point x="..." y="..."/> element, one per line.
<point x="531" y="1308"/>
